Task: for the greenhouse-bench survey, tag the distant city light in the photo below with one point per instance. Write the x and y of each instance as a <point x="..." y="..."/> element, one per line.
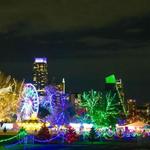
<point x="41" y="60"/>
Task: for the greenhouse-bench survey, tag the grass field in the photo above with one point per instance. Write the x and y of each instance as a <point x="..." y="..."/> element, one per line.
<point x="106" y="146"/>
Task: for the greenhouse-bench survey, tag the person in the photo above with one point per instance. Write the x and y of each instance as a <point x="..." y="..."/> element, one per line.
<point x="35" y="131"/>
<point x="4" y="130"/>
<point x="1" y="123"/>
<point x="144" y="134"/>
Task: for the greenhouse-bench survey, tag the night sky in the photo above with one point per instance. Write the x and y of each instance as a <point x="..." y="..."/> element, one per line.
<point x="84" y="41"/>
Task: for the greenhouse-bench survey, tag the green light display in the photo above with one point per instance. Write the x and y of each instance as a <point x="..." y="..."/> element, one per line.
<point x="101" y="108"/>
<point x="110" y="79"/>
<point x="21" y="134"/>
<point x="4" y="140"/>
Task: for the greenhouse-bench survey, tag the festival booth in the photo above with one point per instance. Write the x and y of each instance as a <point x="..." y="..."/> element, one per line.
<point x="137" y="126"/>
<point x="81" y="127"/>
<point x="147" y="128"/>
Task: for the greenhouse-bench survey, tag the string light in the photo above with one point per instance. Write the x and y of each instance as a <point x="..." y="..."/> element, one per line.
<point x="45" y="141"/>
<point x="15" y="144"/>
<point x="20" y="134"/>
<point x="10" y="90"/>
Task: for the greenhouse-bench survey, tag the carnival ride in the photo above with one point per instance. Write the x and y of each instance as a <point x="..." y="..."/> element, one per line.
<point x="29" y="102"/>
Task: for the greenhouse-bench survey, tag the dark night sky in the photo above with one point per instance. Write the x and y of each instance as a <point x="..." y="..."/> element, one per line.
<point x="84" y="41"/>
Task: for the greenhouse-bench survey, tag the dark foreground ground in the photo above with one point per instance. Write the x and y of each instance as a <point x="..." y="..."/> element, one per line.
<point x="100" y="146"/>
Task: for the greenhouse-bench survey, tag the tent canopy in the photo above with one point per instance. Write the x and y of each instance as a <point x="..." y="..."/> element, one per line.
<point x="137" y="124"/>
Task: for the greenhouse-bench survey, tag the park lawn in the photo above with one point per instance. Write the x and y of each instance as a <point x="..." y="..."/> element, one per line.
<point x="5" y="137"/>
<point x="2" y="137"/>
<point x="116" y="146"/>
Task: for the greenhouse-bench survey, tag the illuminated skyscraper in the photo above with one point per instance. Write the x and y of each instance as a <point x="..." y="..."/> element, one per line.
<point x="131" y="103"/>
<point x="40" y="75"/>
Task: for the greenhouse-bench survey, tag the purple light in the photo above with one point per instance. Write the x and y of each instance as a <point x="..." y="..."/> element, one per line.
<point x="41" y="60"/>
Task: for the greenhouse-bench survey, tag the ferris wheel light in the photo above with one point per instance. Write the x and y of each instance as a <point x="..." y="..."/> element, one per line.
<point x="34" y="116"/>
<point x="29" y="103"/>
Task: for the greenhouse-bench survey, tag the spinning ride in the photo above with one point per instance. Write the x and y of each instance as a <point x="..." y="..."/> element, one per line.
<point x="29" y="102"/>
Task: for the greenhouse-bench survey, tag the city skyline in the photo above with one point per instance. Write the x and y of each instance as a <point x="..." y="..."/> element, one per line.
<point x="84" y="41"/>
<point x="57" y="79"/>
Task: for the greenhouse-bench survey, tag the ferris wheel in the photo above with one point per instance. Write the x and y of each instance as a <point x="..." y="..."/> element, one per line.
<point x="29" y="102"/>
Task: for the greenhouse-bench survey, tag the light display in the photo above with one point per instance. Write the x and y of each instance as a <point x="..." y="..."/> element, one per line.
<point x="71" y="135"/>
<point x="110" y="79"/>
<point x="116" y="86"/>
<point x="85" y="127"/>
<point x="22" y="133"/>
<point x="137" y="126"/>
<point x="121" y="98"/>
<point x="31" y="127"/>
<point x="50" y="99"/>
<point x="101" y="108"/>
<point x="6" y="90"/>
<point x="10" y="89"/>
<point x="29" y="102"/>
<point x="56" y="103"/>
<point x="4" y="140"/>
<point x="90" y="100"/>
<point x="47" y="141"/>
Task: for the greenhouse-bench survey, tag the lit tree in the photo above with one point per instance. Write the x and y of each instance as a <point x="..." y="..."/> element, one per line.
<point x="71" y="135"/>
<point x="92" y="135"/>
<point x="101" y="108"/>
<point x="90" y="100"/>
<point x="109" y="111"/>
<point x="10" y="90"/>
<point x="57" y="105"/>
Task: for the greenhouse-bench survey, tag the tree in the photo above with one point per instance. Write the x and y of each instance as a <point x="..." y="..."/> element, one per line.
<point x="22" y="133"/>
<point x="90" y="100"/>
<point x="71" y="135"/>
<point x="10" y="91"/>
<point x="92" y="135"/>
<point x="100" y="107"/>
<point x="109" y="111"/>
<point x="43" y="133"/>
<point x="4" y="130"/>
<point x="57" y="105"/>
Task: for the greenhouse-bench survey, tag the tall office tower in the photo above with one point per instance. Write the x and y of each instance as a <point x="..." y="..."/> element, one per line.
<point x="40" y="75"/>
<point x="132" y="108"/>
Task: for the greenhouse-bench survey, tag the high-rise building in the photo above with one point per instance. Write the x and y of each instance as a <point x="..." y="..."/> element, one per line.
<point x="132" y="107"/>
<point x="40" y="75"/>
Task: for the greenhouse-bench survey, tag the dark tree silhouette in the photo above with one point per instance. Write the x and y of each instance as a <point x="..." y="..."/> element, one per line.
<point x="71" y="135"/>
<point x="43" y="133"/>
<point x="92" y="135"/>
